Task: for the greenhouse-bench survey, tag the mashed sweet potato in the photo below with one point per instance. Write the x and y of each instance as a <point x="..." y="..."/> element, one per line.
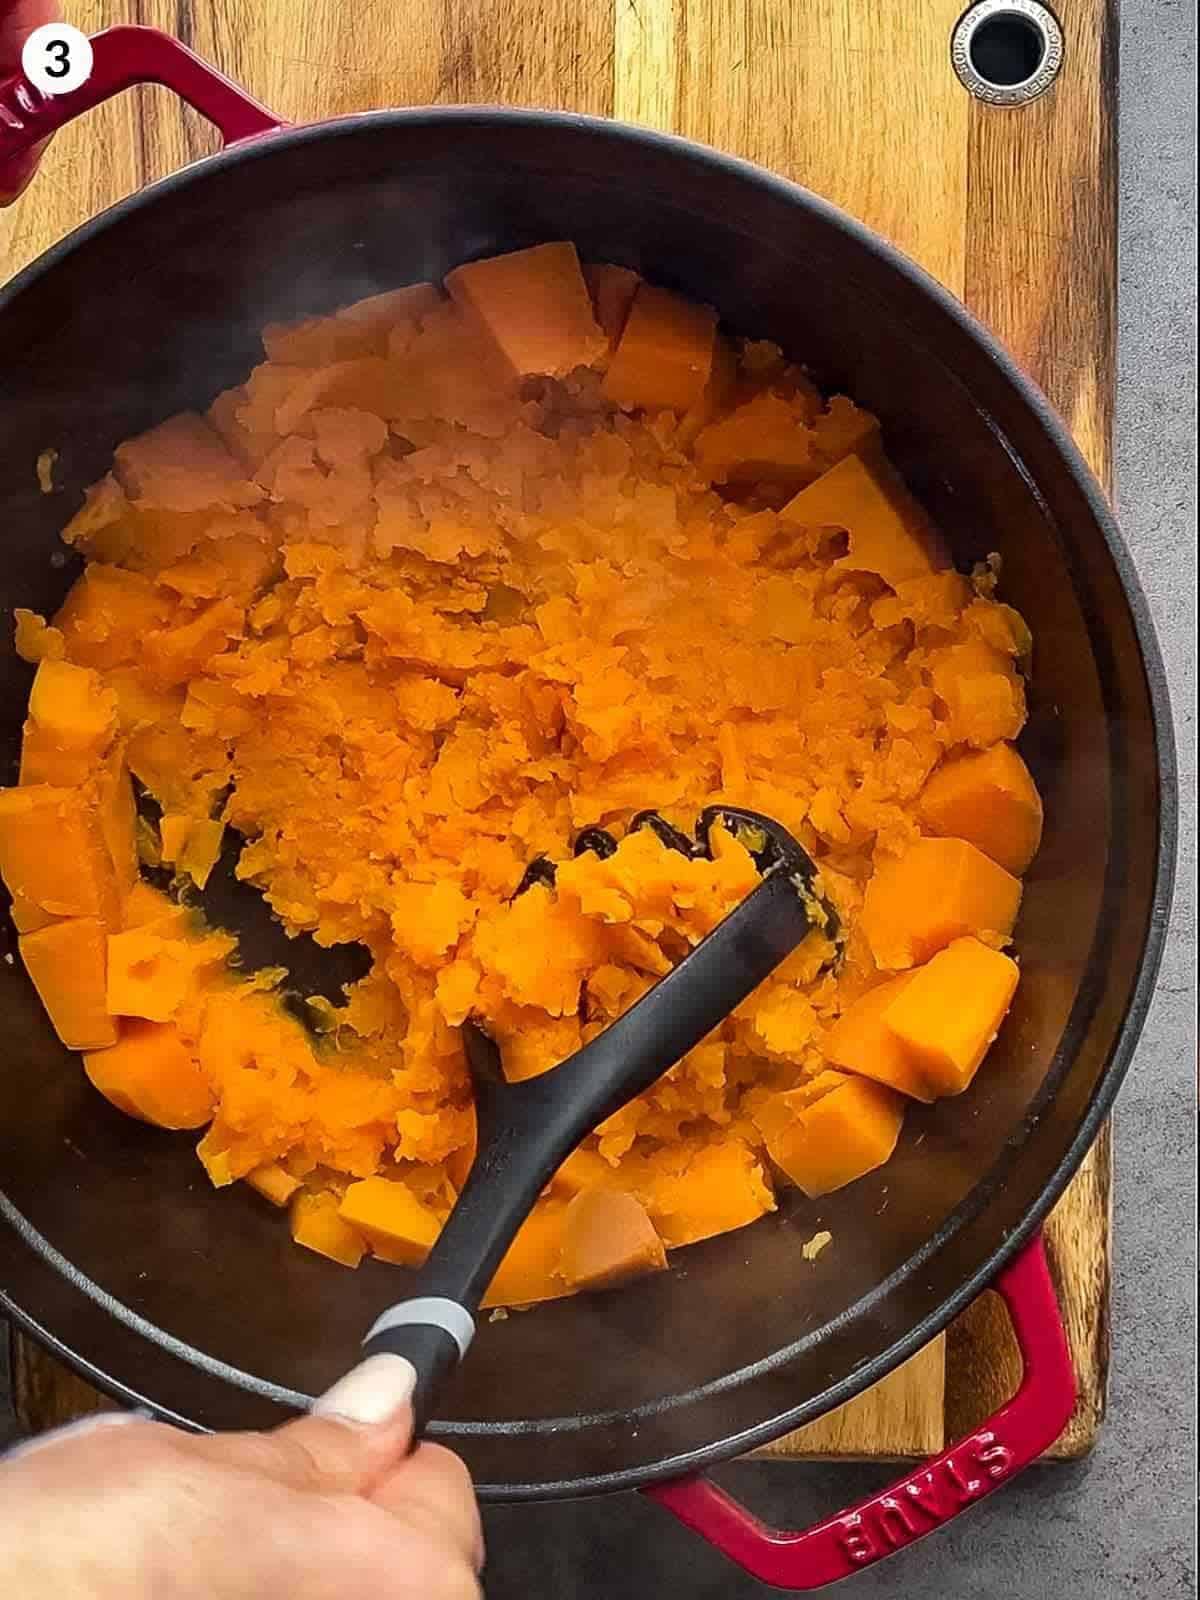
<point x="448" y="578"/>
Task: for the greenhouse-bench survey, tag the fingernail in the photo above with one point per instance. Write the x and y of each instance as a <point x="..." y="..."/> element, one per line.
<point x="373" y="1392"/>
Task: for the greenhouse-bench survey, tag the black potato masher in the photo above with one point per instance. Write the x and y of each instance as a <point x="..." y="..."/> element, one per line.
<point x="527" y="1129"/>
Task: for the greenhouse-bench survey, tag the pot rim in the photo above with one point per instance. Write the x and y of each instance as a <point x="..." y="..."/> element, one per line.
<point x="1034" y="401"/>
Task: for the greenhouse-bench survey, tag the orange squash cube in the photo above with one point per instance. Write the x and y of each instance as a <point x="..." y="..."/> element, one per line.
<point x="52" y="852"/>
<point x="824" y="1142"/>
<point x="608" y="1238"/>
<point x="388" y="1215"/>
<point x="66" y="962"/>
<point x="108" y="613"/>
<point x="146" y="906"/>
<point x="152" y="1074"/>
<point x="182" y="465"/>
<point x="612" y="290"/>
<point x="203" y="849"/>
<point x="722" y="1187"/>
<point x="889" y="534"/>
<point x="764" y="438"/>
<point x="43" y="760"/>
<point x="990" y="798"/>
<point x="938" y="890"/>
<point x="531" y="1269"/>
<point x="273" y="1182"/>
<point x="317" y="1224"/>
<point x="28" y="916"/>
<point x="116" y="812"/>
<point x="534" y="306"/>
<point x="665" y="357"/>
<point x="949" y="1012"/>
<point x="150" y="975"/>
<point x="861" y="1042"/>
<point x="982" y="691"/>
<point x="72" y="708"/>
<point x="173" y="829"/>
<point x="722" y="381"/>
<point x="585" y="1168"/>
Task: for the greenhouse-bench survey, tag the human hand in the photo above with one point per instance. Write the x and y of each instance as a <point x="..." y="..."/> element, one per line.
<point x="324" y="1508"/>
<point x="18" y="19"/>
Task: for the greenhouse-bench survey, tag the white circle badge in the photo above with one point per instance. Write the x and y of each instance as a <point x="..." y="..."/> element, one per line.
<point x="57" y="58"/>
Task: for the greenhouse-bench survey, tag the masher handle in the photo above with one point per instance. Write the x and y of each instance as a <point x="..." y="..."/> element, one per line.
<point x="527" y="1129"/>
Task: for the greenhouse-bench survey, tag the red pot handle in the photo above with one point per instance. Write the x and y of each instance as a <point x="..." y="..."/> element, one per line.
<point x="933" y="1494"/>
<point x="124" y="56"/>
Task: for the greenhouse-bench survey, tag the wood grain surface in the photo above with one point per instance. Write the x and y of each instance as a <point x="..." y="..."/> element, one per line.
<point x="1014" y="210"/>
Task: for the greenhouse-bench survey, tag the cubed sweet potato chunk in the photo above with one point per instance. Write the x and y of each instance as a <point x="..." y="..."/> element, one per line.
<point x="52" y="852"/>
<point x="824" y="1141"/>
<point x="938" y="890"/>
<point x="765" y="438"/>
<point x="28" y="916"/>
<point x="108" y="613"/>
<point x="116" y="812"/>
<point x="982" y="690"/>
<point x="607" y="1238"/>
<point x="43" y="760"/>
<point x="531" y="1269"/>
<point x="150" y="975"/>
<point x="182" y="465"/>
<point x="860" y="1042"/>
<point x="146" y="906"/>
<point x="388" y="1215"/>
<point x="203" y="849"/>
<point x="72" y="707"/>
<point x="192" y="844"/>
<point x="173" y="829"/>
<point x="612" y="290"/>
<point x="715" y="396"/>
<point x="585" y="1168"/>
<point x="990" y="798"/>
<point x="534" y="306"/>
<point x="153" y="1074"/>
<point x="317" y="1224"/>
<point x="948" y="1014"/>
<point x="665" y="356"/>
<point x="722" y="1187"/>
<point x="66" y="962"/>
<point x="273" y="1182"/>
<point x="888" y="532"/>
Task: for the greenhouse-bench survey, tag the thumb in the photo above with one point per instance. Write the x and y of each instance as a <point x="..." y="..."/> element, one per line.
<point x="354" y="1434"/>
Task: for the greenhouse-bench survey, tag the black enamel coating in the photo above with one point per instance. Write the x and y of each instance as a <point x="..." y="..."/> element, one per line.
<point x="124" y="1260"/>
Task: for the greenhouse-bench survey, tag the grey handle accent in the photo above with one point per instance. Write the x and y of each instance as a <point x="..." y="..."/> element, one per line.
<point x="429" y="1311"/>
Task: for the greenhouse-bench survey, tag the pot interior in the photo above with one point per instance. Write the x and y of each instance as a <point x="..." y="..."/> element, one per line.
<point x="162" y="1281"/>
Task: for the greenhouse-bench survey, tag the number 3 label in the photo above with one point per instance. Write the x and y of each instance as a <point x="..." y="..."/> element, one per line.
<point x="57" y="58"/>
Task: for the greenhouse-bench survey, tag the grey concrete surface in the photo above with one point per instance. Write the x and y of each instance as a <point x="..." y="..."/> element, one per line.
<point x="1121" y="1523"/>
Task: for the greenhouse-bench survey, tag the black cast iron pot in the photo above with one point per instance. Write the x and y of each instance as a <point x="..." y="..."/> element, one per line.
<point x="122" y="1258"/>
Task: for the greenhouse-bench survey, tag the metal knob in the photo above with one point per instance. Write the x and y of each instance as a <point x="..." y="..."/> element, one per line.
<point x="1007" y="52"/>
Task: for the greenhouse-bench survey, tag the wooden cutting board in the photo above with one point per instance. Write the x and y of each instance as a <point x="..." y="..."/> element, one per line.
<point x="1013" y="209"/>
